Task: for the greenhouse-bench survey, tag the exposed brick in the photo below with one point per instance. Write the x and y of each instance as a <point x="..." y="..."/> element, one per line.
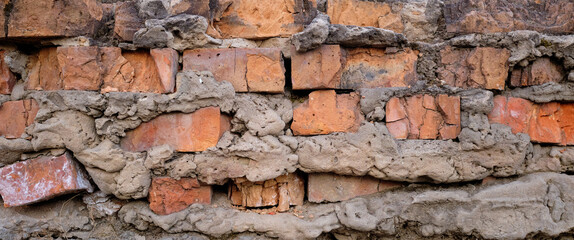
<point x="44" y="71"/>
<point x="365" y="14"/>
<point x="248" y="70"/>
<point x="193" y="7"/>
<point x="40" y="179"/>
<point x="50" y="18"/>
<point x="283" y="191"/>
<point x="168" y="195"/>
<point x="80" y="68"/>
<point x="328" y="187"/>
<point x="166" y="62"/>
<point x="424" y="117"/>
<point x="250" y="19"/>
<point x="185" y="132"/>
<point x="317" y="69"/>
<point x="15" y="116"/>
<point x="489" y="16"/>
<point x="482" y="67"/>
<point x="326" y="112"/>
<point x="127" y="21"/>
<point x="145" y="77"/>
<point x="545" y="123"/>
<point x="541" y="71"/>
<point x="7" y="78"/>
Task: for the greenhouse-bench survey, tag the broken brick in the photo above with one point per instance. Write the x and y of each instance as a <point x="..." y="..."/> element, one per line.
<point x="283" y="191"/>
<point x="317" y="69"/>
<point x="127" y="21"/>
<point x="541" y="71"/>
<point x="328" y="187"/>
<point x="7" y="78"/>
<point x="364" y="14"/>
<point x="168" y="195"/>
<point x="15" y="116"/>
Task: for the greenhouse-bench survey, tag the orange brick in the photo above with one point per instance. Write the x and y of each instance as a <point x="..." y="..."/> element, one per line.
<point x="283" y="191"/>
<point x="539" y="72"/>
<point x="40" y="179"/>
<point x="424" y="117"/>
<point x="127" y="21"/>
<point x="15" y="116"/>
<point x="44" y="71"/>
<point x="328" y="187"/>
<point x="317" y="69"/>
<point x="248" y="70"/>
<point x="80" y="68"/>
<point x="364" y="14"/>
<point x="326" y="112"/>
<point x="168" y="195"/>
<point x="142" y="72"/>
<point x="185" y="132"/>
<point x="7" y="78"/>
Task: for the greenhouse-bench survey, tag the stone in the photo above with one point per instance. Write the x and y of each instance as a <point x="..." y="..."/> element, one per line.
<point x="328" y="187"/>
<point x="541" y="71"/>
<point x="250" y="19"/>
<point x="168" y="195"/>
<point x="317" y="69"/>
<point x="364" y="14"/>
<point x="7" y="78"/>
<point x="326" y="112"/>
<point x="481" y="67"/>
<point x="40" y="179"/>
<point x="283" y="191"/>
<point x="424" y="117"/>
<point x="371" y="67"/>
<point x="193" y="7"/>
<point x="314" y="35"/>
<point x="127" y="21"/>
<point x="15" y="116"/>
<point x="248" y="70"/>
<point x="490" y="16"/>
<point x="50" y="18"/>
<point x="355" y="36"/>
<point x="185" y="132"/>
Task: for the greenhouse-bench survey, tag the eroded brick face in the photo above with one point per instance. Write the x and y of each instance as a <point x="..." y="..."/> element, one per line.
<point x="424" y="117"/>
<point x="283" y="191"/>
<point x="545" y="123"/>
<point x="365" y="14"/>
<point x="185" y="132"/>
<point x="317" y="69"/>
<point x="15" y="116"/>
<point x="248" y="70"/>
<point x="541" y="71"/>
<point x="168" y="195"/>
<point x="482" y="67"/>
<point x="7" y="78"/>
<point x="328" y="187"/>
<point x="326" y="112"/>
<point x="127" y="21"/>
<point x="40" y="179"/>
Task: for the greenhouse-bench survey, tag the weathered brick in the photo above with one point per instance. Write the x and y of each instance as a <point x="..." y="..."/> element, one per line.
<point x="326" y="112"/>
<point x="482" y="67"/>
<point x="424" y="117"/>
<point x="250" y="19"/>
<point x="185" y="132"/>
<point x="328" y="187"/>
<point x="168" y="195"/>
<point x="248" y="70"/>
<point x="317" y="69"/>
<point x="127" y="21"/>
<point x="193" y="7"/>
<point x="40" y="179"/>
<point x="80" y="68"/>
<point x="15" y="116"/>
<point x="166" y="62"/>
<point x="544" y="123"/>
<point x="7" y="78"/>
<point x="283" y="191"/>
<point x="44" y="71"/>
<point x="50" y="18"/>
<point x="145" y="76"/>
<point x="489" y="16"/>
<point x="541" y="71"/>
<point x="365" y="14"/>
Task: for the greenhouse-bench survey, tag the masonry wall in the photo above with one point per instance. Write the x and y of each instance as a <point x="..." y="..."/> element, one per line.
<point x="296" y="119"/>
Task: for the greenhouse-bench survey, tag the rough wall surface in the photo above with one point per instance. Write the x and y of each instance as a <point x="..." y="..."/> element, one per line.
<point x="295" y="119"/>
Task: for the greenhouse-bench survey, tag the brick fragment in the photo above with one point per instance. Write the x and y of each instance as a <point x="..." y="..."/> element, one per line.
<point x="482" y="67"/>
<point x="40" y="179"/>
<point x="80" y="67"/>
<point x="15" y="116"/>
<point x="544" y="123"/>
<point x="541" y="71"/>
<point x="326" y="112"/>
<point x="185" y="132"/>
<point x="283" y="191"/>
<point x="317" y="69"/>
<point x="127" y="21"/>
<point x="248" y="70"/>
<point x="7" y="78"/>
<point x="328" y="187"/>
<point x="168" y="195"/>
<point x="364" y="14"/>
<point x="424" y="117"/>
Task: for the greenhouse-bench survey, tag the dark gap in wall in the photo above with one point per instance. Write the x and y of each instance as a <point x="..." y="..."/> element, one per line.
<point x="7" y="9"/>
<point x="288" y="83"/>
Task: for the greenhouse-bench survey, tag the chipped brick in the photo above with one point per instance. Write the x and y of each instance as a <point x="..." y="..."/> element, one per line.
<point x="168" y="195"/>
<point x="283" y="191"/>
<point x="15" y="116"/>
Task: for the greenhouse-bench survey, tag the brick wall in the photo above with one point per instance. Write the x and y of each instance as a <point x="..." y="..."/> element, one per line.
<point x="296" y="119"/>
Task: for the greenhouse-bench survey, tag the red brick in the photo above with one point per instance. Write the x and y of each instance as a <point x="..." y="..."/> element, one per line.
<point x="7" y="78"/>
<point x="328" y="187"/>
<point x="364" y="14"/>
<point x="283" y="191"/>
<point x="320" y="68"/>
<point x="185" y="132"/>
<point x="166" y="62"/>
<point x="145" y="77"/>
<point x="541" y="71"/>
<point x="80" y="68"/>
<point x="44" y="71"/>
<point x="127" y="21"/>
<point x="193" y="7"/>
<point x="40" y="179"/>
<point x="15" y="116"/>
<point x="482" y="67"/>
<point x="50" y="18"/>
<point x="514" y="112"/>
<point x="326" y="112"/>
<point x="424" y="117"/>
<point x="168" y="195"/>
<point x="248" y="70"/>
